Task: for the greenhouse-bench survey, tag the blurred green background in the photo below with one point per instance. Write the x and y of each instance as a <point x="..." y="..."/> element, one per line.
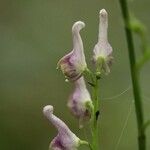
<point x="34" y="34"/>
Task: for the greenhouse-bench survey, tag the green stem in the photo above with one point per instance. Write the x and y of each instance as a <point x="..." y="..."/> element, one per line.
<point x="95" y="115"/>
<point x="135" y="76"/>
<point x="95" y="88"/>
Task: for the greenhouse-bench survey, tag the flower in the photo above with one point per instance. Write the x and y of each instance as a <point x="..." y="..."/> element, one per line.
<point x="103" y="51"/>
<point x="80" y="103"/>
<point x="73" y="64"/>
<point x="65" y="139"/>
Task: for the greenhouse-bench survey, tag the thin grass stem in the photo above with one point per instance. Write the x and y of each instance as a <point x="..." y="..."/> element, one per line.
<point x="134" y="76"/>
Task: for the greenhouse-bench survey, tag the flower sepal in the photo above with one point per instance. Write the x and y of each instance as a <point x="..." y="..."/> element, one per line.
<point x="73" y="64"/>
<point x="102" y="52"/>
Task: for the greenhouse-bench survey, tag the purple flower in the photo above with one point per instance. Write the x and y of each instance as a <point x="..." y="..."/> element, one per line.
<point x="80" y="103"/>
<point x="73" y="64"/>
<point x="65" y="139"/>
<point x="102" y="50"/>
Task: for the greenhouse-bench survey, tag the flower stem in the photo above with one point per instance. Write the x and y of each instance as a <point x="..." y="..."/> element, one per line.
<point x="95" y="115"/>
<point x="134" y="76"/>
<point x="95" y="77"/>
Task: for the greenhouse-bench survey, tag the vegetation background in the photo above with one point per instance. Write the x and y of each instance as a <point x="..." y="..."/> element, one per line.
<point x="34" y="34"/>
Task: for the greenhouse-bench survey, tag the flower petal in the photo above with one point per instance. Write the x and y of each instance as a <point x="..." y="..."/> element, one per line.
<point x="102" y="52"/>
<point x="78" y="101"/>
<point x="56" y="144"/>
<point x="65" y="139"/>
<point x="73" y="64"/>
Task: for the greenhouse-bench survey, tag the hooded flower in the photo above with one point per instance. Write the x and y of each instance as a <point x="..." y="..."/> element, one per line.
<point x="73" y="64"/>
<point x="65" y="139"/>
<point x="102" y="50"/>
<point x="80" y="103"/>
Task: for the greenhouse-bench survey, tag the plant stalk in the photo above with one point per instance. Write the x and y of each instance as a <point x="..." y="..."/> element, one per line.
<point x="134" y="76"/>
<point x="95" y="115"/>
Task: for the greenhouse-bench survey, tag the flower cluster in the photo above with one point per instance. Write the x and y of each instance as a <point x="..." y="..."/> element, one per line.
<point x="73" y="66"/>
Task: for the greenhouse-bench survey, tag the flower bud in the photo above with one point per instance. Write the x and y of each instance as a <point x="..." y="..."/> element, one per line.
<point x="80" y="103"/>
<point x="73" y="64"/>
<point x="102" y="53"/>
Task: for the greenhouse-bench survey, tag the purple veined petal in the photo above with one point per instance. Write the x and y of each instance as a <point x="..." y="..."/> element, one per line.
<point x="64" y="143"/>
<point x="56" y="144"/>
<point x="79" y="100"/>
<point x="103" y="49"/>
<point x="65" y="139"/>
<point x="68" y="68"/>
<point x="73" y="64"/>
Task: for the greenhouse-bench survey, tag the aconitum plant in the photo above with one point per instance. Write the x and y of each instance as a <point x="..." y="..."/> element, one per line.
<point x="85" y="105"/>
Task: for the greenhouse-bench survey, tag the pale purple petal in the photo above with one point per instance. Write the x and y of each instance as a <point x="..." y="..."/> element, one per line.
<point x="103" y="49"/>
<point x="73" y="64"/>
<point x="78" y="100"/>
<point x="56" y="144"/>
<point x="65" y="139"/>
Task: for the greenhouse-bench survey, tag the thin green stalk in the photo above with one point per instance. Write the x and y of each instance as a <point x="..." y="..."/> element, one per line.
<point x="95" y="97"/>
<point x="135" y="76"/>
<point x="96" y="114"/>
